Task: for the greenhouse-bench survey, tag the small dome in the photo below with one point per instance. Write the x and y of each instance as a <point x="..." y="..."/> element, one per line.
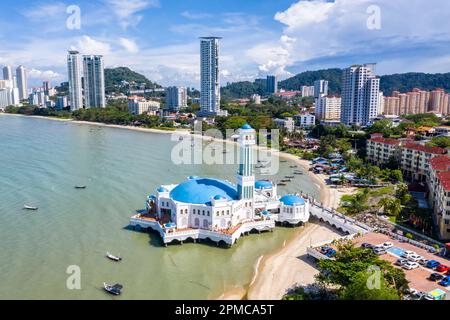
<point x="265" y="213"/>
<point x="246" y="127"/>
<point x="162" y="189"/>
<point x="219" y="197"/>
<point x="291" y="200"/>
<point x="263" y="184"/>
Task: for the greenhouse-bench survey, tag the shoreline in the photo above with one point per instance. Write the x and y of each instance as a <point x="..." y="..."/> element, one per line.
<point x="285" y="260"/>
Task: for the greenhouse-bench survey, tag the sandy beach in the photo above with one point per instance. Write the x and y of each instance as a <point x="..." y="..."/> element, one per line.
<point x="287" y="267"/>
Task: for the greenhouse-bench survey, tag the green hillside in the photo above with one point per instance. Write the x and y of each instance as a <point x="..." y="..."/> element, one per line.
<point x="114" y="80"/>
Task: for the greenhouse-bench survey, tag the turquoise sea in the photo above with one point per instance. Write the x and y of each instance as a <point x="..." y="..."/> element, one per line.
<point x="40" y="163"/>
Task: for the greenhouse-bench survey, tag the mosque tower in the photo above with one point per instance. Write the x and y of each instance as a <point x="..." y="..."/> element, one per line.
<point x="246" y="178"/>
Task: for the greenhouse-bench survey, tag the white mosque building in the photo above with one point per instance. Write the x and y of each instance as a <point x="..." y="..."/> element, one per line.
<point x="207" y="208"/>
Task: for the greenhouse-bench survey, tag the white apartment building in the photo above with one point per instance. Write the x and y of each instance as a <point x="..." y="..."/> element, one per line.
<point x="288" y="124"/>
<point x="176" y="98"/>
<point x="139" y="105"/>
<point x="256" y="99"/>
<point x="328" y="108"/>
<point x="380" y="150"/>
<point x="22" y="82"/>
<point x="8" y="73"/>
<point x="210" y="77"/>
<point x="75" y="74"/>
<point x="9" y="95"/>
<point x="305" y="120"/>
<point x="94" y="81"/>
<point x="360" y="95"/>
<point x="320" y="88"/>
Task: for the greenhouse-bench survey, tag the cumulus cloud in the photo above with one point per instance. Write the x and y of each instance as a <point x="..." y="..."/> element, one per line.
<point x="129" y="45"/>
<point x="323" y="33"/>
<point x="88" y="45"/>
<point x="44" y="74"/>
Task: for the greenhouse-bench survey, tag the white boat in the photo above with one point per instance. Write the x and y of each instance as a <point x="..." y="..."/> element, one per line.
<point x="30" y="208"/>
<point x="115" y="289"/>
<point x="113" y="257"/>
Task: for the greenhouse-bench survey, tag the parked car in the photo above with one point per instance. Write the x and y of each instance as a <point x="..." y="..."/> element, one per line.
<point x="442" y="268"/>
<point x="423" y="261"/>
<point x="432" y="264"/>
<point x="445" y="282"/>
<point x="379" y="250"/>
<point x="324" y="250"/>
<point x="387" y="245"/>
<point x="435" y="277"/>
<point x="401" y="262"/>
<point x="331" y="253"/>
<point x="367" y="246"/>
<point x="407" y="254"/>
<point x="415" y="257"/>
<point x="410" y="265"/>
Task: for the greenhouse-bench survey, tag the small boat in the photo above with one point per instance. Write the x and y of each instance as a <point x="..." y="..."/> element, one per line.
<point x="286" y="180"/>
<point x="30" y="208"/>
<point x="115" y="289"/>
<point x="283" y="161"/>
<point x="298" y="173"/>
<point x="180" y="139"/>
<point x="289" y="177"/>
<point x="282" y="184"/>
<point x="113" y="257"/>
<point x="294" y="167"/>
<point x="80" y="187"/>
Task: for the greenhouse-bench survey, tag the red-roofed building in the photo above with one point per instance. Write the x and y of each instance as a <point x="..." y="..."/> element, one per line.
<point x="439" y="197"/>
<point x="380" y="150"/>
<point x="415" y="159"/>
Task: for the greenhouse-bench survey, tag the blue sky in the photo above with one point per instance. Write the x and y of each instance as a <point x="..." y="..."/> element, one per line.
<point x="159" y="38"/>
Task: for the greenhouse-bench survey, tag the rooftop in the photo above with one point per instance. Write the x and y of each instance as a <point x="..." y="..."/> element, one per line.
<point x="423" y="148"/>
<point x="203" y="190"/>
<point x="440" y="163"/>
<point x="444" y="179"/>
<point x="392" y="142"/>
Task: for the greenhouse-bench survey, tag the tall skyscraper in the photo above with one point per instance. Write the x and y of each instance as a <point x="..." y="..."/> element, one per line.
<point x="94" y="81"/>
<point x="210" y="77"/>
<point x="22" y="82"/>
<point x="8" y="73"/>
<point x="320" y="88"/>
<point x="46" y="87"/>
<point x="271" y="84"/>
<point x="176" y="98"/>
<point x="360" y="95"/>
<point x="74" y="71"/>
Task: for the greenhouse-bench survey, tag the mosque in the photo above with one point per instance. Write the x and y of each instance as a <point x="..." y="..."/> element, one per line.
<point x="206" y="208"/>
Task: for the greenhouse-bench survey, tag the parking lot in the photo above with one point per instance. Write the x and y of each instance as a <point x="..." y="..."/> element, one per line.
<point x="418" y="278"/>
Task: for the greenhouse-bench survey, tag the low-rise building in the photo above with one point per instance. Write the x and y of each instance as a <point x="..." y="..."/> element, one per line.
<point x="305" y="120"/>
<point x="139" y="105"/>
<point x="287" y="124"/>
<point x="380" y="150"/>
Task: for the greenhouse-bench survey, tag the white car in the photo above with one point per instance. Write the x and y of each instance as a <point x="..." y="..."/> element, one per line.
<point x="410" y="265"/>
<point x="407" y="254"/>
<point x="379" y="250"/>
<point x="387" y="245"/>
<point x="415" y="257"/>
<point x="423" y="261"/>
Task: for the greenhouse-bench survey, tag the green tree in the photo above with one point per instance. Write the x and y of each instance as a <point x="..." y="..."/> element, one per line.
<point x="359" y="290"/>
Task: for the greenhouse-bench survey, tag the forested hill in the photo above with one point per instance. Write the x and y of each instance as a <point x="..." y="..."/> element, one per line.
<point x="115" y="77"/>
<point x="401" y="82"/>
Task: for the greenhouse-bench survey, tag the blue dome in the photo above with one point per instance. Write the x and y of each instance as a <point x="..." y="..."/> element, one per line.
<point x="218" y="197"/>
<point x="246" y="127"/>
<point x="162" y="189"/>
<point x="291" y="200"/>
<point x="202" y="190"/>
<point x="262" y="184"/>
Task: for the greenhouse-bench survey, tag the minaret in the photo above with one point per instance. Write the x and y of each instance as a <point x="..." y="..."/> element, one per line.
<point x="246" y="178"/>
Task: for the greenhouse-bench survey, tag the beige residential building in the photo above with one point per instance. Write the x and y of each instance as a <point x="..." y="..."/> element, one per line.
<point x="139" y="105"/>
<point x="417" y="101"/>
<point x="328" y="108"/>
<point x="380" y="150"/>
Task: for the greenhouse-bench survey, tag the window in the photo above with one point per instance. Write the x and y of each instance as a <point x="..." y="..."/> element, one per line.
<point x="193" y="211"/>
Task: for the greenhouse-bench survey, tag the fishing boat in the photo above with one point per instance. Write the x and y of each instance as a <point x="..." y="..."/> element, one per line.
<point x="289" y="177"/>
<point x="298" y="173"/>
<point x="294" y="167"/>
<point x="80" y="187"/>
<point x="283" y="161"/>
<point x="30" y="208"/>
<point x="286" y="180"/>
<point x="113" y="257"/>
<point x="281" y="184"/>
<point x="115" y="289"/>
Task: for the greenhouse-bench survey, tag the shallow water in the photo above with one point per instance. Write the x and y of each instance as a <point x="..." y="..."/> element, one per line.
<point x="40" y="163"/>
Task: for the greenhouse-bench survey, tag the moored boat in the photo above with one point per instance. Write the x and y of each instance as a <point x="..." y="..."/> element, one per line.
<point x="26" y="207"/>
<point x="113" y="257"/>
<point x="115" y="289"/>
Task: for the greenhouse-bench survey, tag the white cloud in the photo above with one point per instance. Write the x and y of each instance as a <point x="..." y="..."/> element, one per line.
<point x="45" y="11"/>
<point x="88" y="45"/>
<point x="195" y="16"/>
<point x="129" y="45"/>
<point x="323" y="33"/>
<point x="46" y="74"/>
<point x="127" y="11"/>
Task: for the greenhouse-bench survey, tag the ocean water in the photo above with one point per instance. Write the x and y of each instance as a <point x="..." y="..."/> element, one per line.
<point x="40" y="163"/>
